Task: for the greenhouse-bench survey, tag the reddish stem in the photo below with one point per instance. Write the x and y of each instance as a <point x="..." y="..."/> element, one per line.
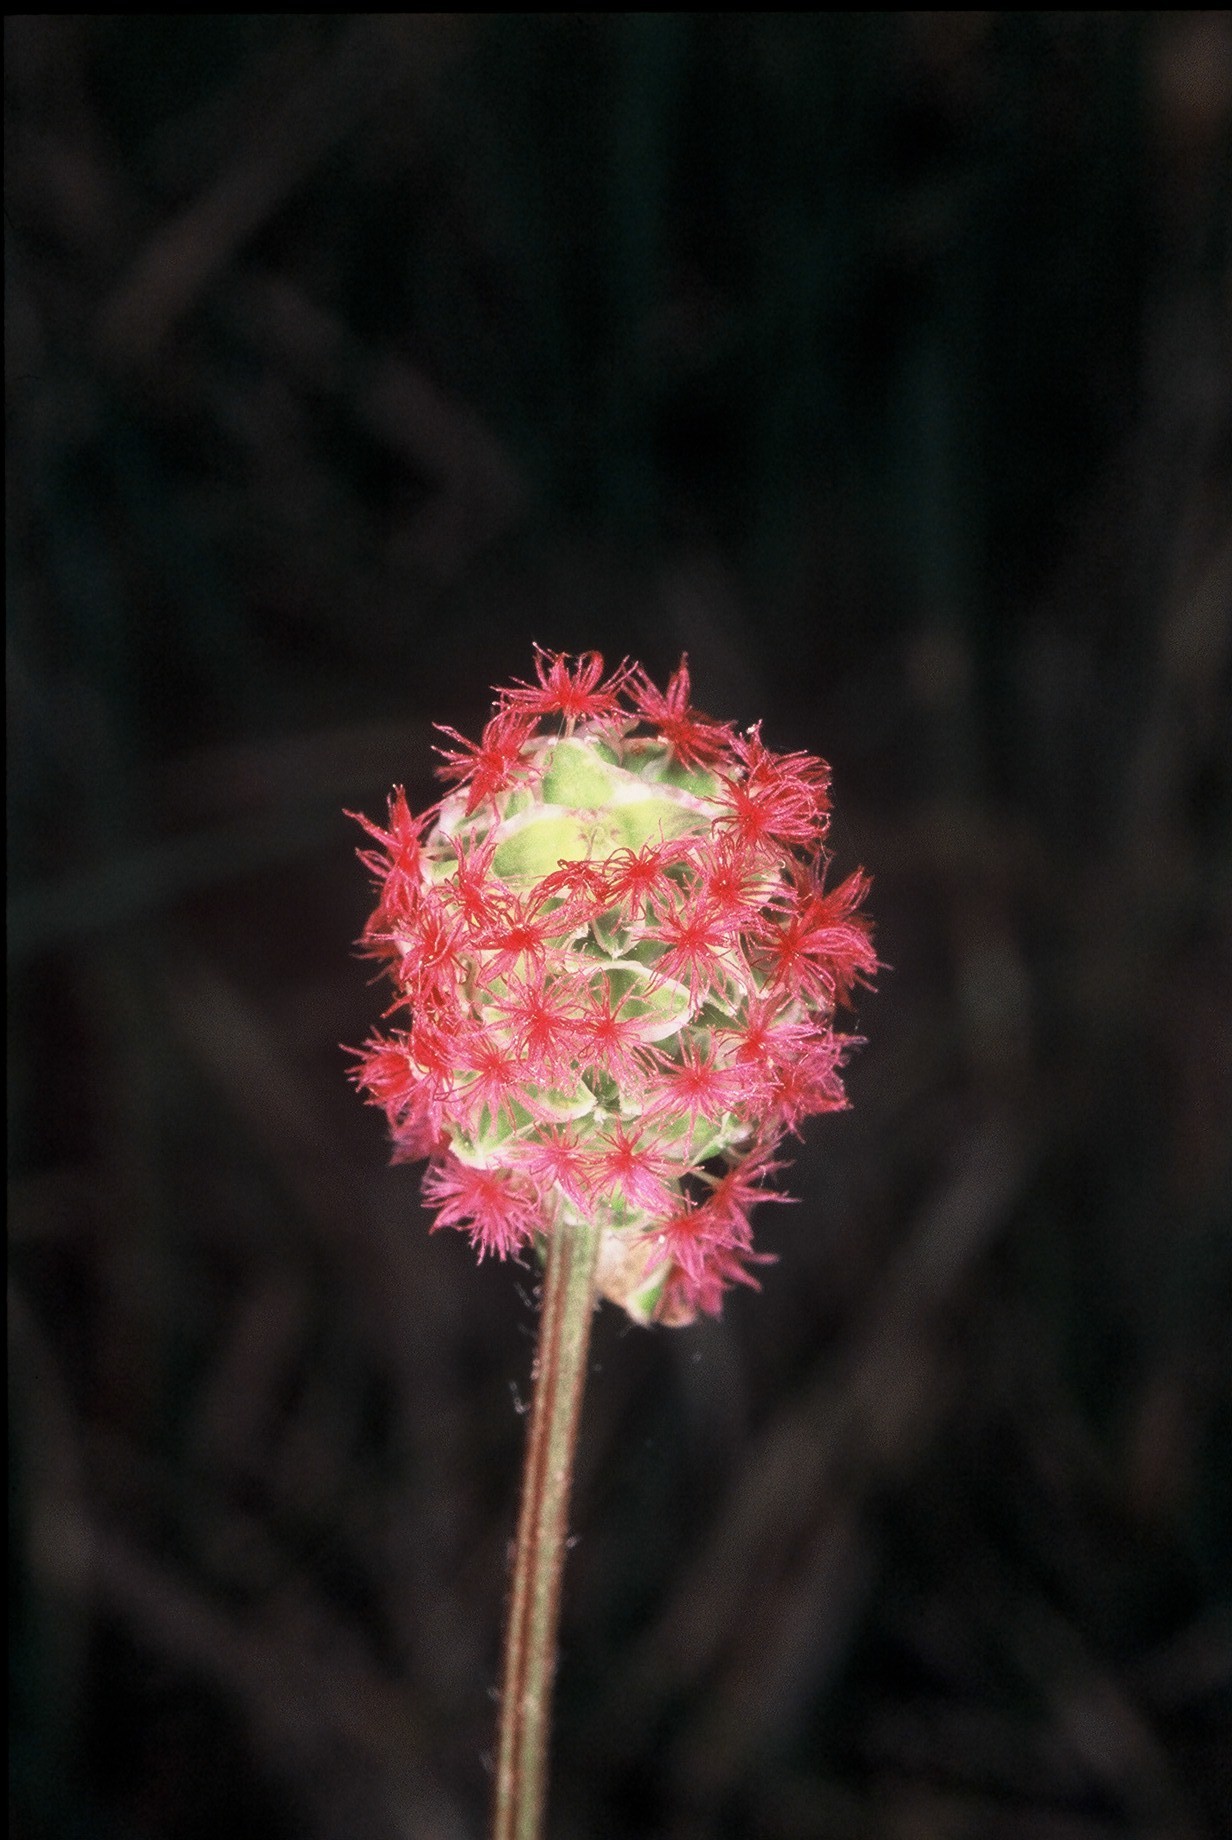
<point x="534" y="1610"/>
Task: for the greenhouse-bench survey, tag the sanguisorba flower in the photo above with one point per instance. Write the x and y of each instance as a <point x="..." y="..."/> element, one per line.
<point x="617" y="968"/>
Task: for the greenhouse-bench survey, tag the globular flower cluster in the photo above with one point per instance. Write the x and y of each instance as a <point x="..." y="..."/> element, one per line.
<point x="617" y="970"/>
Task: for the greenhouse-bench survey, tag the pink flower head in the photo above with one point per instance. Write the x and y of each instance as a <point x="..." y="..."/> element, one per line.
<point x="621" y="967"/>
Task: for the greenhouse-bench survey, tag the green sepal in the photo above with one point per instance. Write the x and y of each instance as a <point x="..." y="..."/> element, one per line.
<point x="701" y="784"/>
<point x="642" y="1303"/>
<point x="537" y="848"/>
<point x="643" y="821"/>
<point x="577" y="778"/>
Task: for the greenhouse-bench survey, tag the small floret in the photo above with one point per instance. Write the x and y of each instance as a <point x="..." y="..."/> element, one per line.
<point x="775" y="798"/>
<point x="491" y="1083"/>
<point x="397" y="865"/>
<point x="555" y="1158"/>
<point x="520" y="930"/>
<point x="611" y="1042"/>
<point x="819" y="949"/>
<point x="632" y="878"/>
<point x="429" y="950"/>
<point x="635" y="1169"/>
<point x="698" y="1085"/>
<point x="492" y="766"/>
<point x="697" y="950"/>
<point x="569" y="688"/>
<point x="543" y="1014"/>
<point x="497" y="1209"/>
<point x="695" y="740"/>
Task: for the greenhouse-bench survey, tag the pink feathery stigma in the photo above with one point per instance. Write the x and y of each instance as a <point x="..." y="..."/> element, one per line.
<point x="617" y="968"/>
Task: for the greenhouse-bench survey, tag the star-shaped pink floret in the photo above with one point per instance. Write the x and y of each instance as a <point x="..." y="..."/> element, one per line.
<point x="496" y="1208"/>
<point x="495" y="764"/>
<point x="775" y="799"/>
<point x="569" y="688"/>
<point x="634" y="1167"/>
<point x="696" y="740"/>
<point x="698" y="1083"/>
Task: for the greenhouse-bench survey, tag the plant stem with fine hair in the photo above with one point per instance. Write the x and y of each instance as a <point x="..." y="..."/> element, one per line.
<point x="534" y="1610"/>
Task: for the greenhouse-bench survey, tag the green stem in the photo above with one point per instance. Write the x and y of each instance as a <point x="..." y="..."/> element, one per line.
<point x="534" y="1610"/>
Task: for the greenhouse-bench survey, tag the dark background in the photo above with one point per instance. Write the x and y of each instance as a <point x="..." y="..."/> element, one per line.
<point x="881" y="361"/>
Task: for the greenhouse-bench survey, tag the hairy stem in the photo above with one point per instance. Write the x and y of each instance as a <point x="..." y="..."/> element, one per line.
<point x="530" y="1643"/>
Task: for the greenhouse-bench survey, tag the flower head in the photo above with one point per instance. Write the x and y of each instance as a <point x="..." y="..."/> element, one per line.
<point x="621" y="967"/>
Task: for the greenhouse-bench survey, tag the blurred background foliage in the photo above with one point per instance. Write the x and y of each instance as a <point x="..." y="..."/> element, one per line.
<point x="881" y="361"/>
